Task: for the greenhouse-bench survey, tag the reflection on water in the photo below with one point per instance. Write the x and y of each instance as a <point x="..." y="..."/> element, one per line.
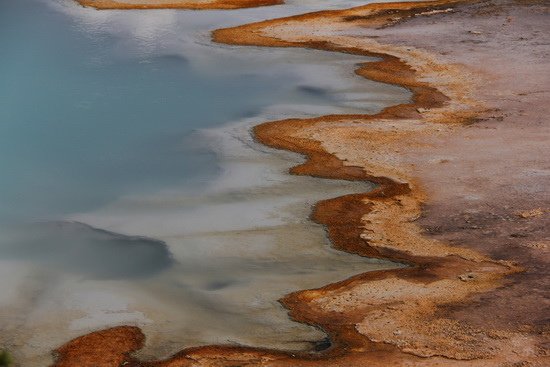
<point x="123" y="201"/>
<point x="78" y="248"/>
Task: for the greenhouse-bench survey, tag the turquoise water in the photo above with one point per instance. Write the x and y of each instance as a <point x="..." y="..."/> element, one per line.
<point x="82" y="122"/>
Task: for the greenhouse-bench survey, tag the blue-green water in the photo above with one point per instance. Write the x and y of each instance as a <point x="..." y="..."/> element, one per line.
<point x="82" y="122"/>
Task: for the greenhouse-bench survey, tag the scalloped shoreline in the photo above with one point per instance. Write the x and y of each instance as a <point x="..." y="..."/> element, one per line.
<point x="377" y="318"/>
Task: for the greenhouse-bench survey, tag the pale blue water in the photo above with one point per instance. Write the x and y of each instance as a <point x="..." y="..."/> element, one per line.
<point x="80" y="124"/>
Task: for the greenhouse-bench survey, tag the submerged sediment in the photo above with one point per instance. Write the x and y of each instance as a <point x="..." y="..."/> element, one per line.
<point x="396" y="317"/>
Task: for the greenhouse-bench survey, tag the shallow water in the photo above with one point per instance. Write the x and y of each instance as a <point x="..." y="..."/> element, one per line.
<point x="131" y="191"/>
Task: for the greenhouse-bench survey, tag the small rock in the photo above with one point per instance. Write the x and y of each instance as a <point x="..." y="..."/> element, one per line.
<point x="467" y="277"/>
<point x="531" y="213"/>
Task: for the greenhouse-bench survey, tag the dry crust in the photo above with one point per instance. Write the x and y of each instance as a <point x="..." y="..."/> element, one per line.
<point x="176" y="4"/>
<point x="378" y="318"/>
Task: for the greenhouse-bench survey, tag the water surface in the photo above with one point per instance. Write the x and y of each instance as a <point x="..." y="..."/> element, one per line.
<point x="83" y="121"/>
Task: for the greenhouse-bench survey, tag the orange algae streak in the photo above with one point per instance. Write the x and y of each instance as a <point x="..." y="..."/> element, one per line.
<point x="174" y="4"/>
